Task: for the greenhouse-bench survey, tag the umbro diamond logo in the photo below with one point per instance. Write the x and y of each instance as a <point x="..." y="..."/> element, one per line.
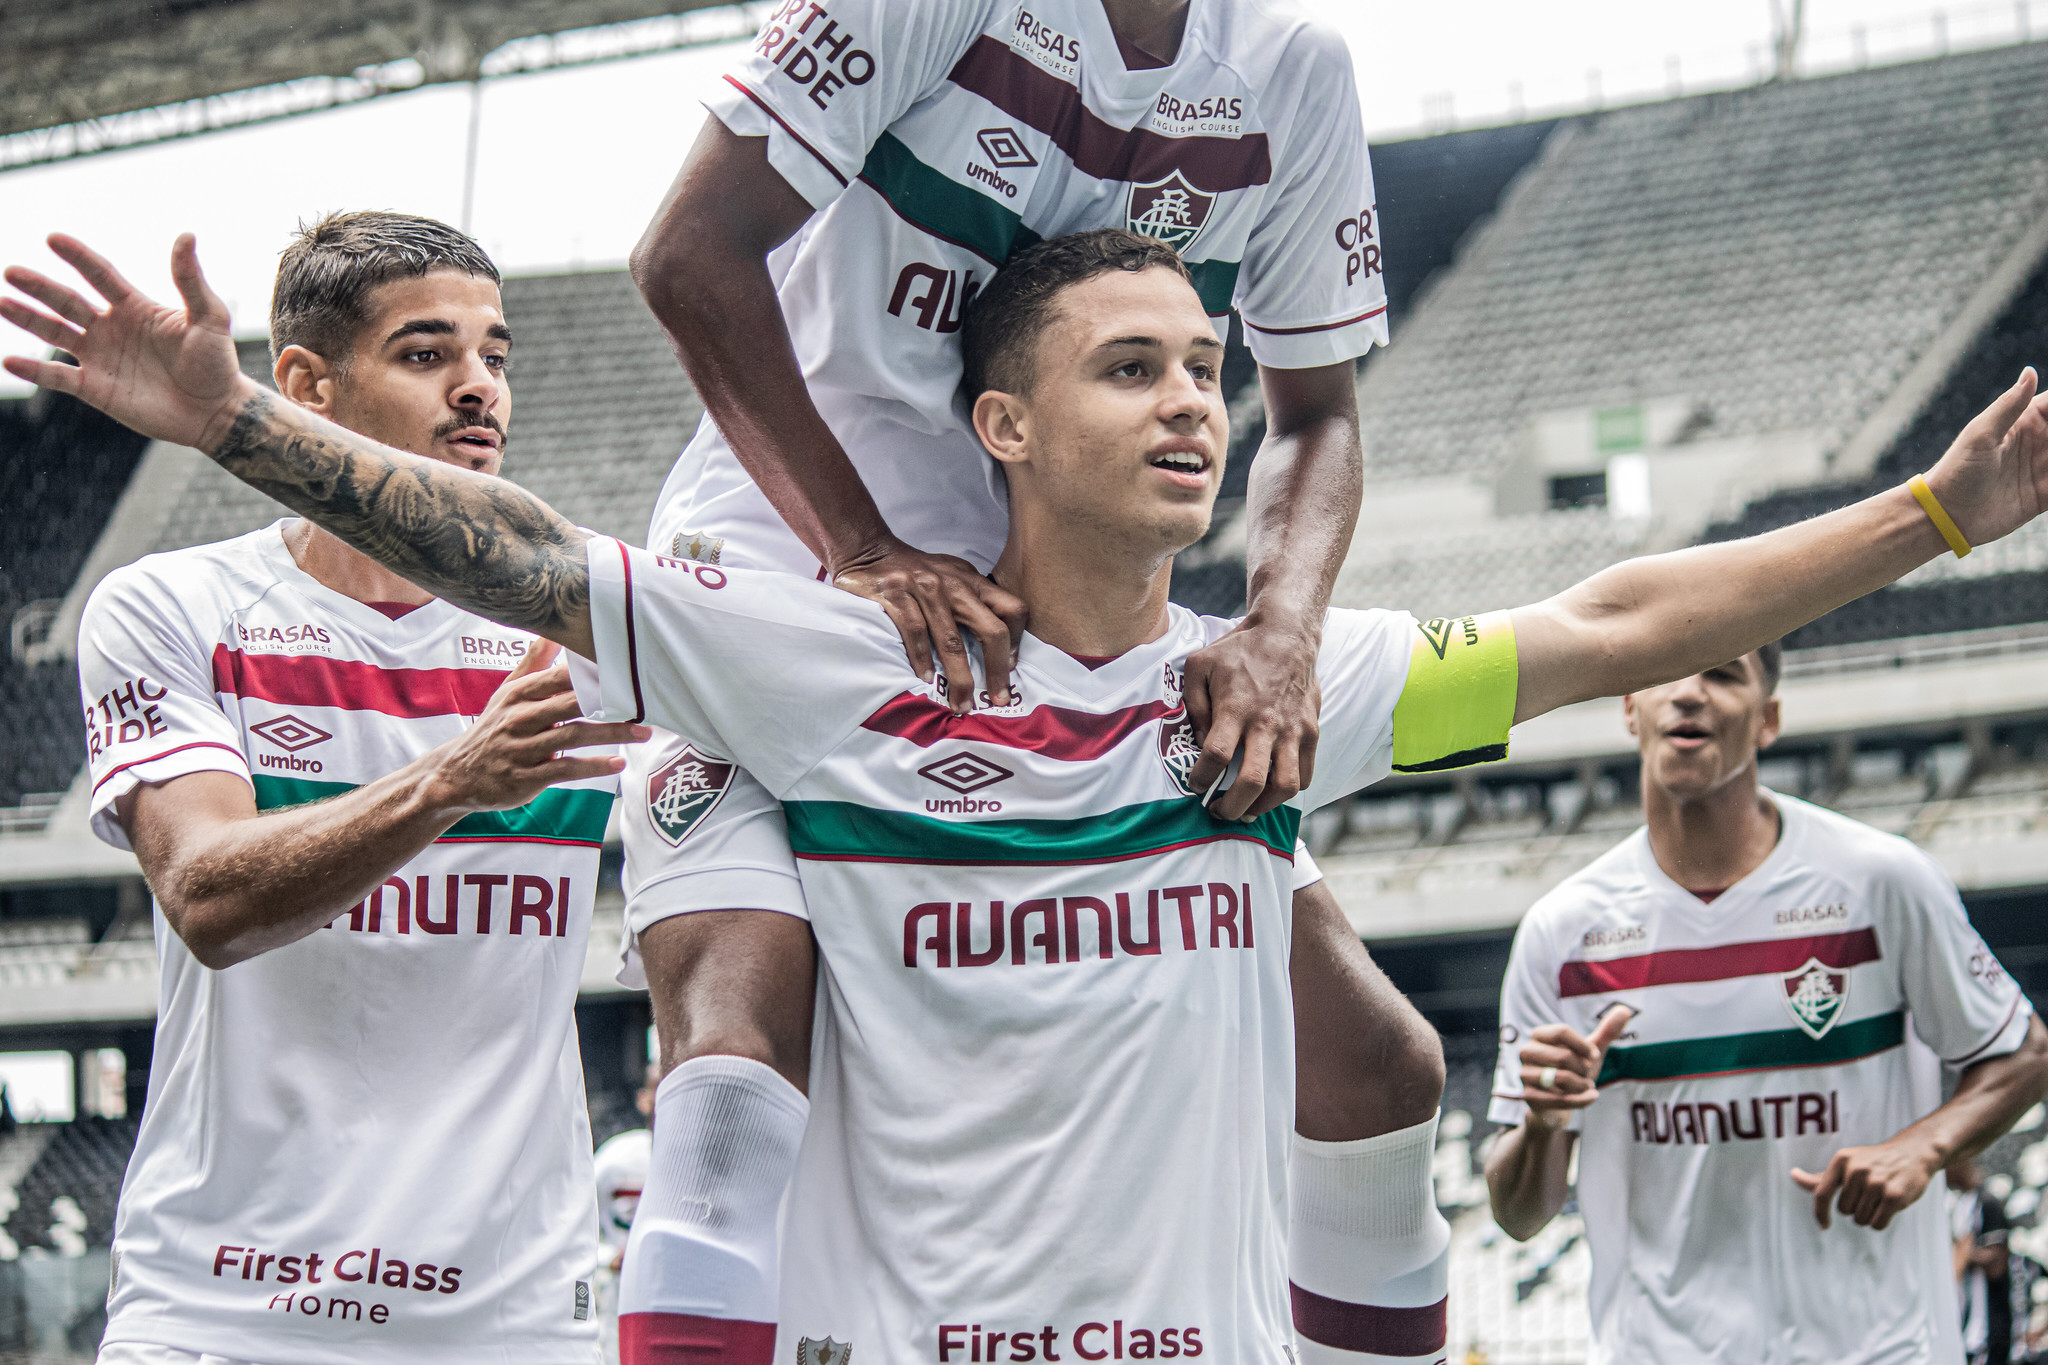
<point x="964" y="772"/>
<point x="290" y="734"/>
<point x="1004" y="148"/>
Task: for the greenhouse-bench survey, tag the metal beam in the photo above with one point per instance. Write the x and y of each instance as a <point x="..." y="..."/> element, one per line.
<point x="88" y="75"/>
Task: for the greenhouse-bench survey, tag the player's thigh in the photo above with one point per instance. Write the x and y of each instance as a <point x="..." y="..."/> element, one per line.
<point x="716" y="926"/>
<point x="1366" y="1061"/>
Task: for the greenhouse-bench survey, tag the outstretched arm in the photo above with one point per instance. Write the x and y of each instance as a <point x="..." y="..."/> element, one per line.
<point x="1649" y="620"/>
<point x="483" y="543"/>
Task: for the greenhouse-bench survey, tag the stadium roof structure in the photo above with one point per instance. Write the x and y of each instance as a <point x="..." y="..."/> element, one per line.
<point x="84" y="60"/>
<point x="1784" y="256"/>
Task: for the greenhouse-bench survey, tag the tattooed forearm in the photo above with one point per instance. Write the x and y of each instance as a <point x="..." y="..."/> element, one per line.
<point x="482" y="543"/>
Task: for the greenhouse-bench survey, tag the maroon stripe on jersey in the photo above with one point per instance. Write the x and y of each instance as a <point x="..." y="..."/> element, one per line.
<point x="632" y="643"/>
<point x="686" y="1339"/>
<point x="1053" y="731"/>
<point x="799" y="137"/>
<point x="1027" y="92"/>
<point x="310" y="680"/>
<point x="1368" y="1327"/>
<point x="119" y="768"/>
<point x="1319" y="327"/>
<point x="1677" y="966"/>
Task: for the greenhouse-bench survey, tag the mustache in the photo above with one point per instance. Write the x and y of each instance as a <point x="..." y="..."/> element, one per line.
<point x="487" y="420"/>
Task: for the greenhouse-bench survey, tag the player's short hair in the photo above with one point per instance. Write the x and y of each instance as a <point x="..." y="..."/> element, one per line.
<point x="999" y="334"/>
<point x="326" y="275"/>
<point x="1772" y="657"/>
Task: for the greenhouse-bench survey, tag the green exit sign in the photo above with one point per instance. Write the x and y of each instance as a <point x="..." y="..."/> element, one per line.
<point x="1619" y="429"/>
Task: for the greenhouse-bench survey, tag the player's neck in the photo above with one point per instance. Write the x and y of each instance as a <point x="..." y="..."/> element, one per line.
<point x="1712" y="841"/>
<point x="342" y="569"/>
<point x="1086" y="596"/>
<point x="1154" y="27"/>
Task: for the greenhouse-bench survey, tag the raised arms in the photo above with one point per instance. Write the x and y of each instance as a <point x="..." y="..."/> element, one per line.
<point x="482" y="543"/>
<point x="1649" y="620"/>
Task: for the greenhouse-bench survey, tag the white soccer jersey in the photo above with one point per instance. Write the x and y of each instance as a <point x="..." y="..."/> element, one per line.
<point x="370" y="1145"/>
<point x="1053" y="1084"/>
<point x="939" y="138"/>
<point x="1806" y="1009"/>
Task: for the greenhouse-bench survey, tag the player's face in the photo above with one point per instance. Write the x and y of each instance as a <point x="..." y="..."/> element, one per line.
<point x="1700" y="733"/>
<point x="1126" y="421"/>
<point x="428" y="371"/>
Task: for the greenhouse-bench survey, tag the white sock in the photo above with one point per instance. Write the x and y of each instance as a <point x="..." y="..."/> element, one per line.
<point x="1367" y="1251"/>
<point x="703" y="1245"/>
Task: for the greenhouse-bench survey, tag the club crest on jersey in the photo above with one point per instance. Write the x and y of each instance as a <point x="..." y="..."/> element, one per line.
<point x="826" y="1352"/>
<point x="1178" y="750"/>
<point x="1170" y="210"/>
<point x="682" y="794"/>
<point x="1816" y="996"/>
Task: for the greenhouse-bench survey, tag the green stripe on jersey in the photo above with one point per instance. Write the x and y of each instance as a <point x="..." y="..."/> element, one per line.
<point x="1753" y="1051"/>
<point x="575" y="815"/>
<point x="942" y="205"/>
<point x="932" y="200"/>
<point x="842" y="831"/>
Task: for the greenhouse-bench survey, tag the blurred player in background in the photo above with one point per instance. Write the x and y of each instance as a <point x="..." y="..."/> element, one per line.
<point x="1098" y="1133"/>
<point x="366" y="1137"/>
<point x="1744" y="1010"/>
<point x="869" y="166"/>
<point x="621" y="1169"/>
<point x="1983" y="1263"/>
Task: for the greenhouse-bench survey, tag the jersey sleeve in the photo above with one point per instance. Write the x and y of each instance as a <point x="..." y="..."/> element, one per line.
<point x="825" y="78"/>
<point x="1410" y="696"/>
<point x="1528" y="1001"/>
<point x="772" y="669"/>
<point x="1963" y="1003"/>
<point x="1312" y="290"/>
<point x="146" y="683"/>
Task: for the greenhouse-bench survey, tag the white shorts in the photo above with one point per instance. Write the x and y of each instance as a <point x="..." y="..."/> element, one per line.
<point x="701" y="834"/>
<point x="143" y="1353"/>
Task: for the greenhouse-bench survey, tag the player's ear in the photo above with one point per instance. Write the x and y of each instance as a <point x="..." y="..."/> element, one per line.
<point x="1003" y="424"/>
<point x="1770" y="725"/>
<point x="1628" y="713"/>
<point x="305" y="377"/>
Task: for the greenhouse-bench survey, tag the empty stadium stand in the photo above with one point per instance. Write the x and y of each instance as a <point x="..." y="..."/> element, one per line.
<point x="63" y="466"/>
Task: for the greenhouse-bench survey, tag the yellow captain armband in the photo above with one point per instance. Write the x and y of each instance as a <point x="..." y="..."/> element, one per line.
<point x="1459" y="699"/>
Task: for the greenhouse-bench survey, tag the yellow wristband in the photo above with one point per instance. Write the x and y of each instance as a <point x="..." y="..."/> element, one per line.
<point x="1938" y="514"/>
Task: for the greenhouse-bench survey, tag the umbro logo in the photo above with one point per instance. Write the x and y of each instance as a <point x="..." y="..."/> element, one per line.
<point x="290" y="734"/>
<point x="1004" y="149"/>
<point x="964" y="772"/>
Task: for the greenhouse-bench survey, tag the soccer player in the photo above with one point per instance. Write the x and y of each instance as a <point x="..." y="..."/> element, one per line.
<point x="1743" y="1011"/>
<point x="869" y="164"/>
<point x="1054" y="1079"/>
<point x="366" y="1137"/>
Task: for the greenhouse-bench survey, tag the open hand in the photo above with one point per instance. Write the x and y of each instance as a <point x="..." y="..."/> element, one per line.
<point x="1994" y="478"/>
<point x="1561" y="1067"/>
<point x="518" y="747"/>
<point x="1874" y="1182"/>
<point x="167" y="373"/>
<point x="931" y="599"/>
<point x="1255" y="689"/>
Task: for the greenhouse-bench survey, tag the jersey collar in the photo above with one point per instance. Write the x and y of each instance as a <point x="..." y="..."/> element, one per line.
<point x="1791" y="833"/>
<point x="365" y="620"/>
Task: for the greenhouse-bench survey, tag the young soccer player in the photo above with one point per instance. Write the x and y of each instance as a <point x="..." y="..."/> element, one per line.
<point x="374" y="864"/>
<point x="869" y="165"/>
<point x="1054" y="1080"/>
<point x="1743" y="1010"/>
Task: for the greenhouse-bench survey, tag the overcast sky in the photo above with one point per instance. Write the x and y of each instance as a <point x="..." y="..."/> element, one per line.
<point x="571" y="163"/>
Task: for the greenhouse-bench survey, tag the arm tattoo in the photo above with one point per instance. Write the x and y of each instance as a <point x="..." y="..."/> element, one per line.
<point x="487" y="545"/>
